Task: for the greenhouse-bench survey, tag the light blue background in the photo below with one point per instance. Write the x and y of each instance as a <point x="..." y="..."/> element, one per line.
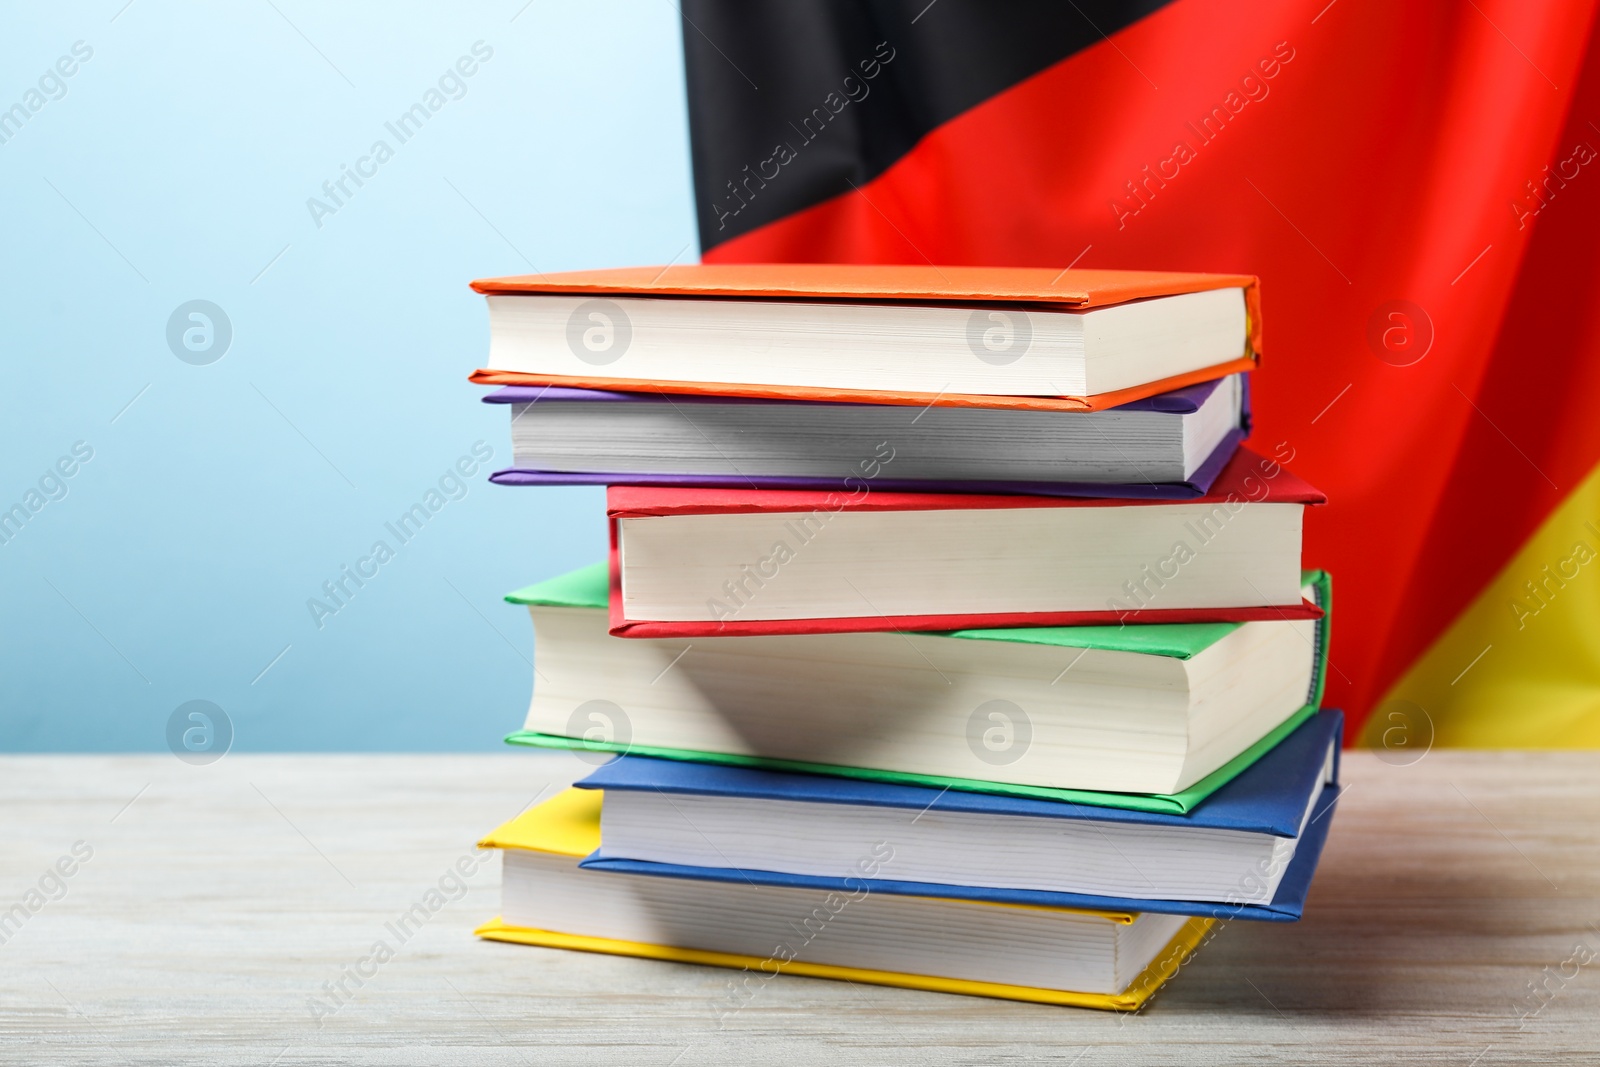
<point x="177" y="167"/>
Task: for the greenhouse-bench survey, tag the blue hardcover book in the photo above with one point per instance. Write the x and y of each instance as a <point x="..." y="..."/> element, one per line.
<point x="1248" y="851"/>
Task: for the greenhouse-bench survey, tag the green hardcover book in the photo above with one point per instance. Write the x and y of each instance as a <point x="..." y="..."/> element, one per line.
<point x="1151" y="717"/>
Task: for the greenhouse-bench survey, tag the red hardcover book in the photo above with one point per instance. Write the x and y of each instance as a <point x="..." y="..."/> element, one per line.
<point x="724" y="562"/>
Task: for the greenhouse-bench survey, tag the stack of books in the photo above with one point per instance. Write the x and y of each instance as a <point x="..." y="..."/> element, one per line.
<point x="950" y="636"/>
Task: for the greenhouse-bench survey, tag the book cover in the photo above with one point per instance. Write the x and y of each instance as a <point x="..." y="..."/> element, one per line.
<point x="586" y="588"/>
<point x="1072" y="290"/>
<point x="1247" y="478"/>
<point x="569" y="825"/>
<point x="1286" y="906"/>
<point x="1178" y="401"/>
<point x="1268" y="797"/>
<point x="1131" y="999"/>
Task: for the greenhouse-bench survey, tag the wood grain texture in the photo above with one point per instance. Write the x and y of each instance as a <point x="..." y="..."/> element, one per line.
<point x="218" y="902"/>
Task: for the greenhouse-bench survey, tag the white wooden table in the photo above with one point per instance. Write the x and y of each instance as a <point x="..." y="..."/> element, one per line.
<point x="218" y="901"/>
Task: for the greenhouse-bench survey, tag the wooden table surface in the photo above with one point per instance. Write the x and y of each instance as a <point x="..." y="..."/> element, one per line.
<point x="1455" y="920"/>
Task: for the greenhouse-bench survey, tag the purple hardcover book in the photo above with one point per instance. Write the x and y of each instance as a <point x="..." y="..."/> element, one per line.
<point x="896" y="423"/>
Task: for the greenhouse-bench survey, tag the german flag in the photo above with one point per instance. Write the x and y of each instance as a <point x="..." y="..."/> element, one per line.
<point x="1418" y="185"/>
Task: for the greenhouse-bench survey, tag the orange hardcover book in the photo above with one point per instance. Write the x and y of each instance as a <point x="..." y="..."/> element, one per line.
<point x="1013" y="337"/>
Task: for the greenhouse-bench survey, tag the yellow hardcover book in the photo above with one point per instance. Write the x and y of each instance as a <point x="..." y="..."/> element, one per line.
<point x="1122" y="957"/>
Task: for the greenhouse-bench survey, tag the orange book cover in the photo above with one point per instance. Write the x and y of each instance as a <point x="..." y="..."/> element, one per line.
<point x="1068" y="290"/>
